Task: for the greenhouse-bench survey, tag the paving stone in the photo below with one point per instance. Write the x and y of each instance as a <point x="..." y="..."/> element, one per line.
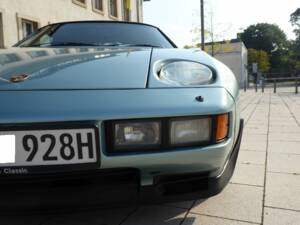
<point x="284" y="147"/>
<point x="278" y="123"/>
<point x="281" y="217"/>
<point x="156" y="215"/>
<point x="255" y="137"/>
<point x="252" y="157"/>
<point x="251" y="129"/>
<point x="249" y="174"/>
<point x="254" y="145"/>
<point x="291" y="128"/>
<point x="282" y="119"/>
<point x="283" y="191"/>
<point x="194" y="219"/>
<point x="285" y="137"/>
<point x="184" y="205"/>
<point x="284" y="163"/>
<point x="260" y="116"/>
<point x="259" y="121"/>
<point x="239" y="202"/>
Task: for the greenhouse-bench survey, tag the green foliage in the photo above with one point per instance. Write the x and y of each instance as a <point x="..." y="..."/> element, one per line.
<point x="295" y="18"/>
<point x="269" y="38"/>
<point x="295" y="45"/>
<point x="192" y="46"/>
<point x="188" y="46"/>
<point x="260" y="57"/>
<point x="264" y="36"/>
<point x="219" y="47"/>
<point x="293" y="59"/>
<point x="268" y="46"/>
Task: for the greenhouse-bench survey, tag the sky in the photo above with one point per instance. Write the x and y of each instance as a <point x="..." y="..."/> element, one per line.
<point x="178" y="17"/>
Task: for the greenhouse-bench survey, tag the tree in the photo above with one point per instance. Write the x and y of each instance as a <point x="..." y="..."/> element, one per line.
<point x="269" y="38"/>
<point x="295" y="17"/>
<point x="260" y="57"/>
<point x="295" y="45"/>
<point x="295" y="20"/>
<point x="264" y="36"/>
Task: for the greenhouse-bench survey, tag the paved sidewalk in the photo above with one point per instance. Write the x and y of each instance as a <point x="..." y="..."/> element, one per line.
<point x="265" y="188"/>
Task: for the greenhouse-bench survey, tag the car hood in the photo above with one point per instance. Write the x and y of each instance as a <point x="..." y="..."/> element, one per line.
<point x="75" y="68"/>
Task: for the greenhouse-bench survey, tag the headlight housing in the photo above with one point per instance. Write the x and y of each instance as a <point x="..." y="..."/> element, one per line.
<point x="185" y="73"/>
<point x="163" y="134"/>
<point x="136" y="134"/>
<point x="190" y="131"/>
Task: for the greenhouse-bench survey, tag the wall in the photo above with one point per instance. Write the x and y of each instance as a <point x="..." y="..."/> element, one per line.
<point x="235" y="56"/>
<point x="234" y="61"/>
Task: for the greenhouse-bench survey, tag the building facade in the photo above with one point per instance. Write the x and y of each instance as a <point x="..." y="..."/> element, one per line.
<point x="234" y="54"/>
<point x="19" y="18"/>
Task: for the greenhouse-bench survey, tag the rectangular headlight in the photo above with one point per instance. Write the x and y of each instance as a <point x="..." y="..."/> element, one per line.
<point x="190" y="131"/>
<point x="136" y="134"/>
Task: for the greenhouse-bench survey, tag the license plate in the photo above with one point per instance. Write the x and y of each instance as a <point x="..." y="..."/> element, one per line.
<point x="48" y="147"/>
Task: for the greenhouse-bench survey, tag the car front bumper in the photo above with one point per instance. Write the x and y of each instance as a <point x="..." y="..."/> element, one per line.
<point x="109" y="187"/>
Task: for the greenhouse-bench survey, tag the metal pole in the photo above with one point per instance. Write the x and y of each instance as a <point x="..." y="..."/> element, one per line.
<point x="296" y="91"/>
<point x="212" y="48"/>
<point x="202" y="25"/>
<point x="263" y="86"/>
<point x="275" y="85"/>
<point x="212" y="36"/>
<point x="256" y="86"/>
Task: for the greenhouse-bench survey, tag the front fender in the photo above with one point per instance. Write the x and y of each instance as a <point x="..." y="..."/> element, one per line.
<point x="224" y="77"/>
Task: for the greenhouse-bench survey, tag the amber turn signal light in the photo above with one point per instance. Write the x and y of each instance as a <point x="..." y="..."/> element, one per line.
<point x="222" y="127"/>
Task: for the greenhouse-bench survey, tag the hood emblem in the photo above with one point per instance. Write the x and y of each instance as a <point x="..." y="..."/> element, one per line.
<point x="18" y="78"/>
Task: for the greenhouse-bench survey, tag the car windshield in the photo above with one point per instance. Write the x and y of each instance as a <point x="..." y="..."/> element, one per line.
<point x="97" y="34"/>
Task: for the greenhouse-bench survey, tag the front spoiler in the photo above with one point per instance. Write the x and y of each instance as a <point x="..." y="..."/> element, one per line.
<point x="192" y="186"/>
<point x="108" y="188"/>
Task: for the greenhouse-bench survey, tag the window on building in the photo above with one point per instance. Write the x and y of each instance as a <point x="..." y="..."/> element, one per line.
<point x="138" y="11"/>
<point x="9" y="58"/>
<point x="37" y="54"/>
<point x="113" y="8"/>
<point x="1" y="32"/>
<point x="98" y="5"/>
<point x="126" y="10"/>
<point x="28" y="27"/>
<point x="61" y="51"/>
<point x="80" y="2"/>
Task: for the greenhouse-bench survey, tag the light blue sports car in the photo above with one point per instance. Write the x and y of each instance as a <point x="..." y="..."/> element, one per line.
<point x="100" y="113"/>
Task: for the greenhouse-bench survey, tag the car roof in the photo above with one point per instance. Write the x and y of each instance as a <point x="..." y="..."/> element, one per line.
<point x="104" y="21"/>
